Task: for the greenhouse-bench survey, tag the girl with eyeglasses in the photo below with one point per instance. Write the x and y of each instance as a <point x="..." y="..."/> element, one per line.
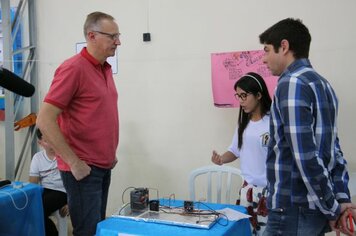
<point x="249" y="144"/>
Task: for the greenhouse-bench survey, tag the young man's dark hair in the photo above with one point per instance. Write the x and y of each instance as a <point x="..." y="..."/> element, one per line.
<point x="294" y="31"/>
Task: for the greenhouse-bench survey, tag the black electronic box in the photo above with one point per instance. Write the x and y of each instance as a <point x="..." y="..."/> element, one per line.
<point x="139" y="199"/>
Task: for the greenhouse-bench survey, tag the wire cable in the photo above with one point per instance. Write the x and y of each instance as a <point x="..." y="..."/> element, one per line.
<point x="123" y="193"/>
<point x="12" y="198"/>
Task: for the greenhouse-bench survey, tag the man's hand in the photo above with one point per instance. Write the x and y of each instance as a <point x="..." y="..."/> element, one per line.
<point x="347" y="221"/>
<point x="341" y="224"/>
<point x="80" y="169"/>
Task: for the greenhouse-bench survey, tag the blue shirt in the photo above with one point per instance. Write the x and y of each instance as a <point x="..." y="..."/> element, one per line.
<point x="305" y="164"/>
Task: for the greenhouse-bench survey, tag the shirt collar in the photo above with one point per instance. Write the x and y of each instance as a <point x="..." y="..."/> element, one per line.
<point x="298" y="63"/>
<point x="92" y="60"/>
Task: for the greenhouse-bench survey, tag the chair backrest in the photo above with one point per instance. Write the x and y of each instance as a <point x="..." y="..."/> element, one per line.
<point x="221" y="177"/>
<point x="62" y="223"/>
<point x="352" y="184"/>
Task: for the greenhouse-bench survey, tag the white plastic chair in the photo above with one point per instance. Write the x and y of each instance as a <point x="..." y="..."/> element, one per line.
<point x="221" y="177"/>
<point x="62" y="223"/>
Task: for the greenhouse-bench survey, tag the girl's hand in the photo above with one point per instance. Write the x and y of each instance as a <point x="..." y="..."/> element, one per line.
<point x="216" y="158"/>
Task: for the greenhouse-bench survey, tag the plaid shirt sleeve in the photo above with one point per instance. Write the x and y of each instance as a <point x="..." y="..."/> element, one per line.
<point x="339" y="176"/>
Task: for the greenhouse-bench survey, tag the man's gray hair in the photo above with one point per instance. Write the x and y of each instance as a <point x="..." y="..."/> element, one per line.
<point x="93" y="21"/>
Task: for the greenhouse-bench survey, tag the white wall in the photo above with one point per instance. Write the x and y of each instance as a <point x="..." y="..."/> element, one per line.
<point x="168" y="124"/>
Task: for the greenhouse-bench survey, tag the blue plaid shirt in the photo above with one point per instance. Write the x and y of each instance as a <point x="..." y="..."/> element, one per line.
<point x="305" y="164"/>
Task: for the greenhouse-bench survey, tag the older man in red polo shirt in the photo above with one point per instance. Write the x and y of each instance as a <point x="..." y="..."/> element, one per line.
<point x="79" y="117"/>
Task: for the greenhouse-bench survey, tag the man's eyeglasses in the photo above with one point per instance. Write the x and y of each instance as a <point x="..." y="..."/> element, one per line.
<point x="111" y="36"/>
<point x="242" y="96"/>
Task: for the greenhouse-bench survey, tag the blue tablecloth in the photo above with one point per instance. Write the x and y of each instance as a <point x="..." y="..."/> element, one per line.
<point x="17" y="217"/>
<point x="116" y="226"/>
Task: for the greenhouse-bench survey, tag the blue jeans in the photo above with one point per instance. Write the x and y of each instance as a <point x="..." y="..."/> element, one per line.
<point x="87" y="199"/>
<point x="296" y="221"/>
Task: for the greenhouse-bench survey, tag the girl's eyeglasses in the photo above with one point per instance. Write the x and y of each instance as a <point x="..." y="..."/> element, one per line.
<point x="241" y="96"/>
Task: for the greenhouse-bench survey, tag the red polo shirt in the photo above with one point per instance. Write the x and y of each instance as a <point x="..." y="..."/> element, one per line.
<point x="85" y="92"/>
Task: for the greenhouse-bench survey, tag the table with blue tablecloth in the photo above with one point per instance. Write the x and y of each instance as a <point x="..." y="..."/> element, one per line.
<point x="116" y="226"/>
<point x="21" y="210"/>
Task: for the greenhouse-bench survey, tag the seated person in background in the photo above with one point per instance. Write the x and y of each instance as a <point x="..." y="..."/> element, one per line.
<point x="44" y="171"/>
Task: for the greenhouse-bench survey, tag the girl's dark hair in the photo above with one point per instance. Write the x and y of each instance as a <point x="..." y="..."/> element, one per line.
<point x="252" y="83"/>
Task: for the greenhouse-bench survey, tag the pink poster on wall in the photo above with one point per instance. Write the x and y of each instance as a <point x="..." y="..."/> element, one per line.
<point x="228" y="67"/>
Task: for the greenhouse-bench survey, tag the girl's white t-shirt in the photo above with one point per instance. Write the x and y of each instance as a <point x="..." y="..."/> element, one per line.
<point x="253" y="153"/>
